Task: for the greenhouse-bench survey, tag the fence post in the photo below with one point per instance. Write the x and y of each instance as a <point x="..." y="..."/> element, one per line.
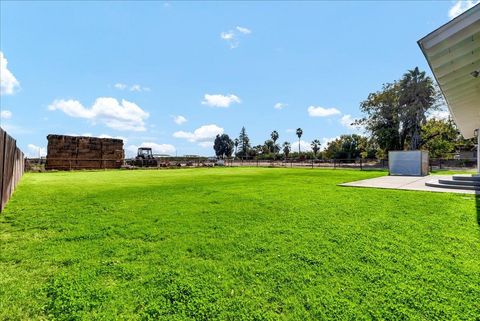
<point x="361" y="168"/>
<point x="312" y="163"/>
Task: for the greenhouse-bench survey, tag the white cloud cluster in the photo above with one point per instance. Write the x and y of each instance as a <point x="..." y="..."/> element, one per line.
<point x="122" y="115"/>
<point x="204" y="135"/>
<point x="134" y="87"/>
<point x="218" y="100"/>
<point x="179" y="120"/>
<point x="8" y="83"/>
<point x="232" y="36"/>
<point x="322" y="112"/>
<point x="304" y="146"/>
<point x="461" y="6"/>
<point x="168" y="149"/>
<point x="347" y="121"/>
<point x="279" y="106"/>
<point x="35" y="151"/>
<point x="243" y="30"/>
<point x="326" y="140"/>
<point x="5" y="114"/>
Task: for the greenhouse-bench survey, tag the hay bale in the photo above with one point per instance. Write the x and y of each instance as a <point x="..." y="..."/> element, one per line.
<point x="78" y="152"/>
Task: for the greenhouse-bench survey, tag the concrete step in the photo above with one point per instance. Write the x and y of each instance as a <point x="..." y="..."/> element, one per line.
<point x="437" y="183"/>
<point x="471" y="178"/>
<point x="459" y="182"/>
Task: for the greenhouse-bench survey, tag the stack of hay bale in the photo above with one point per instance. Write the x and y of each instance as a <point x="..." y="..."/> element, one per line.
<point x="79" y="152"/>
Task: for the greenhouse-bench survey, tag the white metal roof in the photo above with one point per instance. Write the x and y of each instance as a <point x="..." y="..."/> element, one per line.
<point x="453" y="53"/>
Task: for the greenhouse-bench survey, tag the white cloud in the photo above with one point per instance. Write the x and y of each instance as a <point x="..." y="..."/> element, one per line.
<point x="139" y="88"/>
<point x="227" y="35"/>
<point x="125" y="140"/>
<point x="202" y="135"/>
<point x="131" y="150"/>
<point x="8" y="83"/>
<point x="326" y="140"/>
<point x="304" y="146"/>
<point x="5" y="114"/>
<point x="232" y="36"/>
<point x="279" y="106"/>
<point x="218" y="100"/>
<point x="122" y="115"/>
<point x="158" y="148"/>
<point x="439" y="114"/>
<point x="120" y="86"/>
<point x="134" y="87"/>
<point x="36" y="151"/>
<point x="347" y="121"/>
<point x="243" y="30"/>
<point x="322" y="112"/>
<point x="461" y="6"/>
<point x="179" y="119"/>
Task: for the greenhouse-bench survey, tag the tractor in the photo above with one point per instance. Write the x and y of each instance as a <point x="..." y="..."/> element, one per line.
<point x="145" y="158"/>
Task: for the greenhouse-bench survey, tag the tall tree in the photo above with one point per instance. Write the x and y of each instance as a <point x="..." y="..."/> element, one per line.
<point x="274" y="135"/>
<point x="299" y="134"/>
<point x="223" y="146"/>
<point x="244" y="143"/>
<point x="315" y="146"/>
<point x="286" y="149"/>
<point x="382" y="117"/>
<point x="235" y="142"/>
<point x="417" y="96"/>
<point x="395" y="114"/>
<point x="268" y="147"/>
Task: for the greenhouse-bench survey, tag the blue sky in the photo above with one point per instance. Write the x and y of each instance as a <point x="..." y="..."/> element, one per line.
<point x="131" y="69"/>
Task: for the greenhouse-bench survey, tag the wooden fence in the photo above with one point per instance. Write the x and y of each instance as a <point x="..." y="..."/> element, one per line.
<point x="11" y="166"/>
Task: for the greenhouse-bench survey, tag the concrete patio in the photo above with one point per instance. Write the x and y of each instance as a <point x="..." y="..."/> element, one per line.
<point x="413" y="183"/>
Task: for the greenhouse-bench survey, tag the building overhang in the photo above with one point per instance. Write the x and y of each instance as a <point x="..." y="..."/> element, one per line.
<point x="453" y="53"/>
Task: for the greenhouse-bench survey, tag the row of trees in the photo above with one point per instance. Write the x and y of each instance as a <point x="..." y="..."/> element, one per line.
<point x="224" y="146"/>
<point x="439" y="136"/>
<point x="395" y="118"/>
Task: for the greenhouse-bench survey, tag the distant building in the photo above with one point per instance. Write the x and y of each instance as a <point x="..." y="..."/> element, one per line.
<point x="79" y="152"/>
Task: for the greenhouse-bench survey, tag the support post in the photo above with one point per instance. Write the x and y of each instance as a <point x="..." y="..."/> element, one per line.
<point x="478" y="151"/>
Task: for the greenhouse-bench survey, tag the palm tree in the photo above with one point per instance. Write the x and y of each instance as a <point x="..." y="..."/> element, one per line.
<point x="315" y="146"/>
<point x="417" y="96"/>
<point x="235" y="142"/>
<point x="299" y="134"/>
<point x="286" y="149"/>
<point x="274" y="136"/>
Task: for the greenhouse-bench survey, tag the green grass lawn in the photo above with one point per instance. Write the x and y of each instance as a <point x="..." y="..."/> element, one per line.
<point x="235" y="244"/>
